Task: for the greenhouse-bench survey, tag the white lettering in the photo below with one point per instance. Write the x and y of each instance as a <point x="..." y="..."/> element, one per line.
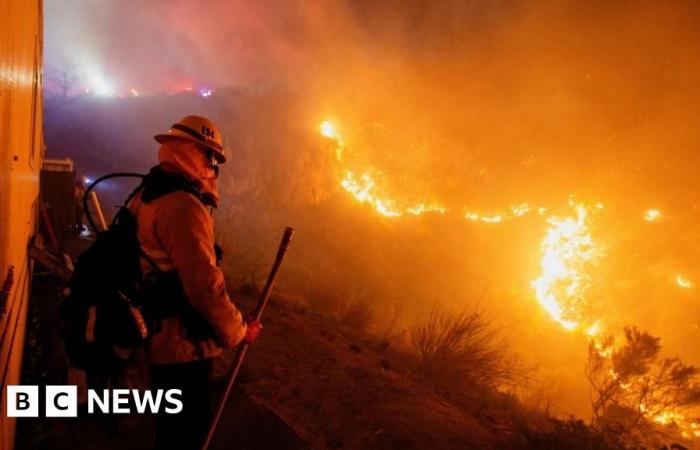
<point x="22" y="401"/>
<point x="61" y="401"/>
<point x="120" y="397"/>
<point x="153" y="404"/>
<point x="102" y="403"/>
<point x="172" y="396"/>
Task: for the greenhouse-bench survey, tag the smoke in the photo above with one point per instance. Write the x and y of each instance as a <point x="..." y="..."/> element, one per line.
<point x="477" y="105"/>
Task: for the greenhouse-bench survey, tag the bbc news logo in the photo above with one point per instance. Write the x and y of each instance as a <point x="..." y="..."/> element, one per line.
<point x="62" y="401"/>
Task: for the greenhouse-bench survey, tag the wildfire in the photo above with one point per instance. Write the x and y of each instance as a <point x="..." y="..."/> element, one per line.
<point x="567" y="249"/>
<point x="683" y="282"/>
<point x="424" y="208"/>
<point x="594" y="330"/>
<point x="652" y="215"/>
<point x="364" y="189"/>
<point x="668" y="417"/>
<point x="511" y="213"/>
<point x="688" y="426"/>
<point x="328" y="129"/>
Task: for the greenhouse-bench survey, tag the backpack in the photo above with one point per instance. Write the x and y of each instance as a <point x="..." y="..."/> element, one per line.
<point x="100" y="315"/>
<point x="109" y="307"/>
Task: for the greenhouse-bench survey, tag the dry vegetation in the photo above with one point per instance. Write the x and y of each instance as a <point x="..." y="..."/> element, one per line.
<point x="639" y="397"/>
<point x="435" y="388"/>
<point x="351" y="308"/>
<point x="461" y="357"/>
<point x="464" y="348"/>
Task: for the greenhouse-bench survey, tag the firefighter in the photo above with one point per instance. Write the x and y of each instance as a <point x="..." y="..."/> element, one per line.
<point x="196" y="318"/>
<point x="78" y="212"/>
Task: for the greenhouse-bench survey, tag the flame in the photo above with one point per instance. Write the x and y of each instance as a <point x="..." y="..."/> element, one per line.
<point x="426" y="207"/>
<point x="688" y="427"/>
<point x="328" y="130"/>
<point x="652" y="215"/>
<point x="566" y="248"/>
<point x="508" y="214"/>
<point x="605" y="351"/>
<point x="668" y="417"/>
<point x="594" y="330"/>
<point x="683" y="282"/>
<point x="487" y="218"/>
<point x="364" y="189"/>
<point x="567" y="251"/>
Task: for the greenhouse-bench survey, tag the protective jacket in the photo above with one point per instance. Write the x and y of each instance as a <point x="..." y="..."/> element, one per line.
<point x="176" y="234"/>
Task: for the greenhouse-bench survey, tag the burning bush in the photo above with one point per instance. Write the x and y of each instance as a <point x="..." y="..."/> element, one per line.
<point x="455" y="349"/>
<point x="639" y="396"/>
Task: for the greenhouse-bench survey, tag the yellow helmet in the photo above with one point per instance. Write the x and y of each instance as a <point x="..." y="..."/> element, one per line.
<point x="197" y="129"/>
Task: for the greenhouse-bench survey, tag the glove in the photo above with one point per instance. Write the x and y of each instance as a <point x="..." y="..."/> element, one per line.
<point x="253" y="330"/>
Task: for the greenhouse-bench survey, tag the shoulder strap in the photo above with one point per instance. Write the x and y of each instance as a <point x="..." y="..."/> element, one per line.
<point x="159" y="183"/>
<point x="92" y="186"/>
<point x="122" y="209"/>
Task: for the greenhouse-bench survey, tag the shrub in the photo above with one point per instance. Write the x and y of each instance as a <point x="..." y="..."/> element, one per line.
<point x="570" y="434"/>
<point x="638" y="396"/>
<point x="351" y="308"/>
<point x="356" y="312"/>
<point x="464" y="347"/>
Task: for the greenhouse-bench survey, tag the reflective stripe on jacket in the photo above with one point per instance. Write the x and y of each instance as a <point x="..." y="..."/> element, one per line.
<point x="177" y="232"/>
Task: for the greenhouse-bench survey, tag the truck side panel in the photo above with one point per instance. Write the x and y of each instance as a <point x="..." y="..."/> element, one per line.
<point x="21" y="152"/>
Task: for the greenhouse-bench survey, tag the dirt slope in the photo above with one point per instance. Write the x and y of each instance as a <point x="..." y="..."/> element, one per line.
<point x="336" y="389"/>
<point x="308" y="382"/>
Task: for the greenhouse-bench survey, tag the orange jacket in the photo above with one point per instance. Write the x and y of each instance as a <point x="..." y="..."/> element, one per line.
<point x="177" y="232"/>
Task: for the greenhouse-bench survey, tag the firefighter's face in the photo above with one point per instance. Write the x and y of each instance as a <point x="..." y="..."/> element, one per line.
<point x="206" y="165"/>
<point x="213" y="161"/>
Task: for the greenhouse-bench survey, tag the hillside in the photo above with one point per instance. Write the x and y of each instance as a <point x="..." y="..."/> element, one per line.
<point x="338" y="389"/>
<point x="309" y="382"/>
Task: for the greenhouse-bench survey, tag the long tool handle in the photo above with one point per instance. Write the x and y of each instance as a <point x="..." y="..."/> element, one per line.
<point x="243" y="347"/>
